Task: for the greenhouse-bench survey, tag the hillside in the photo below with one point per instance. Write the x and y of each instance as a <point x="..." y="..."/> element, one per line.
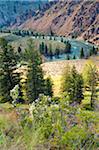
<point x="69" y="18"/>
<point x="18" y="11"/>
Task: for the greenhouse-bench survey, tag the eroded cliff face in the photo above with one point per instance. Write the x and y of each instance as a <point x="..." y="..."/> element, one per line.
<point x="68" y="18"/>
<point x="74" y="18"/>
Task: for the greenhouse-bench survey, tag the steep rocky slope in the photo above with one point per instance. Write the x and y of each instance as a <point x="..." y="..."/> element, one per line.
<point x="77" y="18"/>
<point x="17" y="11"/>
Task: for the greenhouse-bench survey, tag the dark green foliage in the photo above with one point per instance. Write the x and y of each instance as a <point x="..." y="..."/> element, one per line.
<point x="8" y="79"/>
<point x="82" y="55"/>
<point x="42" y="48"/>
<point x="46" y="51"/>
<point x="62" y="39"/>
<point x="51" y="32"/>
<point x="20" y="95"/>
<point x="68" y="57"/>
<point x="74" y="57"/>
<point x="91" y="79"/>
<point x="50" y="52"/>
<point x="19" y="49"/>
<point x="54" y="38"/>
<point x="67" y="47"/>
<point x="93" y="51"/>
<point x="48" y="85"/>
<point x="50" y="37"/>
<point x="65" y="42"/>
<point x="73" y="84"/>
<point x="43" y="37"/>
<point x="35" y="81"/>
<point x="57" y="53"/>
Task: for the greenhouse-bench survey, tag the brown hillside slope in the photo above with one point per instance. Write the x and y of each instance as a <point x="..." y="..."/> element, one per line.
<point x="69" y="18"/>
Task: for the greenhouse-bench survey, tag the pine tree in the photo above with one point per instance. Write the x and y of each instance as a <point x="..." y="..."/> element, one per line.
<point x="8" y="78"/>
<point x="46" y="51"/>
<point x="74" y="57"/>
<point x="48" y="85"/>
<point x="91" y="78"/>
<point x="54" y="38"/>
<point x="93" y="51"/>
<point x="43" y="37"/>
<point x="68" y="57"/>
<point x="76" y="86"/>
<point x="62" y="39"/>
<point x="50" y="37"/>
<point x="35" y="80"/>
<point x="82" y="55"/>
<point x="19" y="49"/>
<point x="51" y="32"/>
<point x="57" y="52"/>
<point x="73" y="84"/>
<point x="67" y="47"/>
<point x="50" y="52"/>
<point x="42" y="48"/>
<point x="66" y="80"/>
<point x="90" y="52"/>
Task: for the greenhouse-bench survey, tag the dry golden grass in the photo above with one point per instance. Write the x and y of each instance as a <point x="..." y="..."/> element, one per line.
<point x="55" y="70"/>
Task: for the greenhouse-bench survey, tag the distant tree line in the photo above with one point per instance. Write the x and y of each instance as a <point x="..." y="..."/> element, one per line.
<point x="49" y="52"/>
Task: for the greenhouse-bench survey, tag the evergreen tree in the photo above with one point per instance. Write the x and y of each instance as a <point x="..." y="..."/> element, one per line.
<point x="68" y="57"/>
<point x="42" y="48"/>
<point x="8" y="79"/>
<point x="51" y="32"/>
<point x="48" y="85"/>
<point x="50" y="37"/>
<point x="82" y="53"/>
<point x="74" y="57"/>
<point x="57" y="52"/>
<point x="67" y="47"/>
<point x="35" y="80"/>
<point x="90" y="52"/>
<point x="66" y="80"/>
<point x="91" y="78"/>
<point x="43" y="37"/>
<point x="62" y="39"/>
<point x="50" y="52"/>
<point x="73" y="84"/>
<point x="39" y="7"/>
<point x="46" y="50"/>
<point x="65" y="42"/>
<point x="19" y="49"/>
<point x="54" y="38"/>
<point x="93" y="51"/>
